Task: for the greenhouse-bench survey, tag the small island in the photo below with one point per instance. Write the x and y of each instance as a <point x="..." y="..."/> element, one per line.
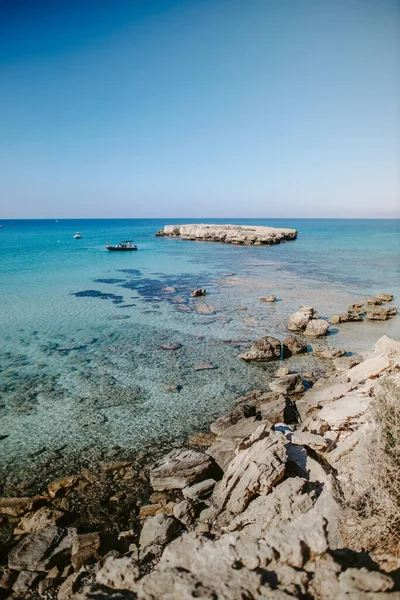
<point x="247" y="235"/>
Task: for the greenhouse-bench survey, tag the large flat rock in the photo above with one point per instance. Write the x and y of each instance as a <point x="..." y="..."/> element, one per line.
<point x="248" y="235"/>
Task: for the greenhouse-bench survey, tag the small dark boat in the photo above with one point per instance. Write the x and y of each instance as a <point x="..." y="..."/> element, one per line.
<point x="126" y="246"/>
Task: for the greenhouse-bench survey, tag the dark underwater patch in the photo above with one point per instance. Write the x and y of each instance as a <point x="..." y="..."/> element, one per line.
<point x="97" y="294"/>
<point x="130" y="271"/>
<point x="109" y="281"/>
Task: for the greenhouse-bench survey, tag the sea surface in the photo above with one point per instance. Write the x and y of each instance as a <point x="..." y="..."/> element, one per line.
<point x="85" y="370"/>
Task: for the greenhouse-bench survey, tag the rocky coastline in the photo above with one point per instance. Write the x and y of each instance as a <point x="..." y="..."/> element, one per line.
<point x="248" y="235"/>
<point x="261" y="506"/>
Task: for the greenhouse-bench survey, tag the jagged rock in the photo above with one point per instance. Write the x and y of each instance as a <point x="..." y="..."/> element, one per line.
<point x="63" y="486"/>
<point x="286" y="501"/>
<point x="199" y="292"/>
<point x="317" y="328"/>
<point x="384" y="297"/>
<point x="25" y="582"/>
<point x="264" y="349"/>
<point x="158" y="530"/>
<point x="18" y="506"/>
<point x="346" y="317"/>
<point x="223" y="450"/>
<point x="85" y="549"/>
<point x="275" y="410"/>
<point x="200" y="490"/>
<point x="7" y="578"/>
<point x="258" y="465"/>
<point x="377" y="314"/>
<point x="298" y="320"/>
<point x="329" y="352"/>
<point x="371" y="301"/>
<point x="35" y="521"/>
<point x="346" y="362"/>
<point x="282" y="372"/>
<point x="243" y="411"/>
<point x="291" y="384"/>
<point x="292" y="345"/>
<point x="45" y="585"/>
<point x="119" y="573"/>
<point x="310" y="440"/>
<point x="271" y="298"/>
<point x="42" y="550"/>
<point x="342" y="411"/>
<point x="356" y="308"/>
<point x="180" y="468"/>
<point x="185" y="512"/>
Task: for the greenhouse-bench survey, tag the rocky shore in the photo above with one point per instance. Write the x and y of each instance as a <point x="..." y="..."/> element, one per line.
<point x="261" y="507"/>
<point x="247" y="235"/>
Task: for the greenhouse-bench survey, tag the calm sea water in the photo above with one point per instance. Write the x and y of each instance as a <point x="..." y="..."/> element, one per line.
<point x="83" y="374"/>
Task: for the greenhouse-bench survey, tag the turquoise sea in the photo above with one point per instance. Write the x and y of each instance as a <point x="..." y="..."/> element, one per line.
<point x="83" y="374"/>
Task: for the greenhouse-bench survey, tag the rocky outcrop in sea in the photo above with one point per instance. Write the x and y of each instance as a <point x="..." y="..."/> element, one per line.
<point x="248" y="235"/>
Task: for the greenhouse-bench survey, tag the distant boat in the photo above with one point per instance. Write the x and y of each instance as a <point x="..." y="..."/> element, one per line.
<point x="125" y="246"/>
<point x="1" y="226"/>
<point x="78" y="235"/>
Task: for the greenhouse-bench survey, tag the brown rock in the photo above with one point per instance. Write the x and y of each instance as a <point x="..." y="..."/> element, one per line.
<point x="18" y="506"/>
<point x="199" y="292"/>
<point x="316" y="328"/>
<point x="292" y="345"/>
<point x="263" y="349"/>
<point x="35" y="521"/>
<point x="298" y="320"/>
<point x="180" y="468"/>
<point x="85" y="549"/>
<point x="63" y="486"/>
<point x="291" y="384"/>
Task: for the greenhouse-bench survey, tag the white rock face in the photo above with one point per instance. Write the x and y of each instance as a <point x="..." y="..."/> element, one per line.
<point x="248" y="235"/>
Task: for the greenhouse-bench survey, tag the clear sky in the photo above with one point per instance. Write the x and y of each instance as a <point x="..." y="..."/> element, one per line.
<point x="199" y="108"/>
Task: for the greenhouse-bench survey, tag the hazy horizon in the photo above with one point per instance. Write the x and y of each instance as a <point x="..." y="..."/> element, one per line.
<point x="255" y="109"/>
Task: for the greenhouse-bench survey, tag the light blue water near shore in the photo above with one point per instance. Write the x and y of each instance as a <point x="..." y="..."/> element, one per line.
<point x="82" y="368"/>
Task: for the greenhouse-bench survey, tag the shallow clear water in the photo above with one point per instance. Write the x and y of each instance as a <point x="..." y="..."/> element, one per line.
<point x="82" y="371"/>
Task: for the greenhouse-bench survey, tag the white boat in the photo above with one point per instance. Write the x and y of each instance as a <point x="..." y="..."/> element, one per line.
<point x="78" y="235"/>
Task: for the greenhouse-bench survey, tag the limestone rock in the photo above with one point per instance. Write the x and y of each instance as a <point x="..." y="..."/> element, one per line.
<point x="7" y="578"/>
<point x="248" y="235"/>
<point x="371" y="301"/>
<point x="317" y="328"/>
<point x="200" y="490"/>
<point x="25" y="582"/>
<point x="298" y="320"/>
<point x="290" y="384"/>
<point x="356" y="308"/>
<point x="276" y="410"/>
<point x="282" y="372"/>
<point x="258" y="465"/>
<point x="180" y="468"/>
<point x="271" y="298"/>
<point x="158" y="530"/>
<point x="330" y="353"/>
<point x="41" y="550"/>
<point x="37" y="520"/>
<point x="243" y="411"/>
<point x="346" y="317"/>
<point x="383" y="297"/>
<point x="85" y="549"/>
<point x="263" y="349"/>
<point x="292" y="345"/>
<point x="310" y="440"/>
<point x="185" y="512"/>
<point x="119" y="573"/>
<point x="18" y="506"/>
<point x="63" y="486"/>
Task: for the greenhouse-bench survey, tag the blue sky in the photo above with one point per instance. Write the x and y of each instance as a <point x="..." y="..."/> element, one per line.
<point x="199" y="108"/>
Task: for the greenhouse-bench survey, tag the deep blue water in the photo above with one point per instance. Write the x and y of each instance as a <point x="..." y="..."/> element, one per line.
<point x="81" y="363"/>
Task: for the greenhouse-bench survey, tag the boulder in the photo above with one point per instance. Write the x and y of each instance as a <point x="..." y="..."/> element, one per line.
<point x="328" y="352"/>
<point x="25" y="582"/>
<point x="159" y="530"/>
<point x="41" y="550"/>
<point x="310" y="440"/>
<point x="356" y="308"/>
<point x="258" y="465"/>
<point x="377" y="314"/>
<point x="298" y="320"/>
<point x="263" y="349"/>
<point x="180" y="468"/>
<point x="282" y="372"/>
<point x="317" y="328"/>
<point x="15" y="507"/>
<point x="35" y="521"/>
<point x="277" y="410"/>
<point x="119" y="573"/>
<point x="243" y="411"/>
<point x="346" y="317"/>
<point x="200" y="490"/>
<point x="271" y="298"/>
<point x="198" y="293"/>
<point x="185" y="512"/>
<point x="292" y="345"/>
<point x="62" y="486"/>
<point x="383" y="297"/>
<point x="371" y="301"/>
<point x="290" y="384"/>
<point x="85" y="549"/>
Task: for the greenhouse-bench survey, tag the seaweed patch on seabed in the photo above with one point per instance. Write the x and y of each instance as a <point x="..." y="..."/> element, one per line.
<point x="109" y="281"/>
<point x="97" y="294"/>
<point x="157" y="288"/>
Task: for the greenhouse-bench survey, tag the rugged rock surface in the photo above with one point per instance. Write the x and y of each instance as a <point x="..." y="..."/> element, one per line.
<point x="316" y="328"/>
<point x="290" y="384"/>
<point x="298" y="321"/>
<point x="264" y="349"/>
<point x="180" y="468"/>
<point x="292" y="345"/>
<point x="249" y="235"/>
